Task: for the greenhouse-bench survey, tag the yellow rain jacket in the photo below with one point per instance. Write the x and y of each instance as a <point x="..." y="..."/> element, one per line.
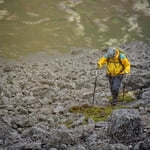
<point x="115" y="66"/>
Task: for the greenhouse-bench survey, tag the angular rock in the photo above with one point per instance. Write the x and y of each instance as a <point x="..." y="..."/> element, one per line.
<point x="125" y="126"/>
<point x="143" y="145"/>
<point x="116" y="147"/>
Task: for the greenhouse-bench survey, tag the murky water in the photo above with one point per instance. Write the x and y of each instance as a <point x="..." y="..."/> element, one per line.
<point x="29" y="26"/>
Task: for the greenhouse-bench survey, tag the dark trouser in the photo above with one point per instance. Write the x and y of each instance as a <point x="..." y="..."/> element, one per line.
<point x="115" y="83"/>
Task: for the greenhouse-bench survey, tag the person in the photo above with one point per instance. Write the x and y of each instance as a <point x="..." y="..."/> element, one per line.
<point x="117" y="66"/>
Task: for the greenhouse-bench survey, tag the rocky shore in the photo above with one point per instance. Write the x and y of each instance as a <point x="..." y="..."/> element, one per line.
<point x="35" y="98"/>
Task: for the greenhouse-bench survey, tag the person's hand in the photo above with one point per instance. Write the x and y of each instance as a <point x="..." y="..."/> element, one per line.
<point x="98" y="67"/>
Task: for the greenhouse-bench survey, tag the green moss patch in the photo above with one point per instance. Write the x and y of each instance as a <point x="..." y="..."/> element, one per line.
<point x="94" y="112"/>
<point x="98" y="113"/>
<point x="126" y="97"/>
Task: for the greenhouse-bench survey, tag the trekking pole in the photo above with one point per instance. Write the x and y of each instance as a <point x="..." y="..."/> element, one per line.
<point x="94" y="87"/>
<point x="123" y="88"/>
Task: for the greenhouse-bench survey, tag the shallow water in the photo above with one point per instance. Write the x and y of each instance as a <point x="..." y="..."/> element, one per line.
<point x="30" y="26"/>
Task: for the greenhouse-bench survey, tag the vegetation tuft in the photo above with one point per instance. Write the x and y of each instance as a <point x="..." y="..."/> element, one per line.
<point x="129" y="96"/>
<point x="94" y="112"/>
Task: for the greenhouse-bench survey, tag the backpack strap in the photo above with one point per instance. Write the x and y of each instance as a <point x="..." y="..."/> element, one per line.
<point x="119" y="58"/>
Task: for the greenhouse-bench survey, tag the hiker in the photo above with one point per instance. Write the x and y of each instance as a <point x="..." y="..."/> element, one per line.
<point x="118" y="65"/>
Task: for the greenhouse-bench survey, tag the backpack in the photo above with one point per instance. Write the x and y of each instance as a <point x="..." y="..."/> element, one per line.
<point x="121" y="51"/>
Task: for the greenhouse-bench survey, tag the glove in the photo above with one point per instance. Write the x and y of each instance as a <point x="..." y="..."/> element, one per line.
<point x="98" y="66"/>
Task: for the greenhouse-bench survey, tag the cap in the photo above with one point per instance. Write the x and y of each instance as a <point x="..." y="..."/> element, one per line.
<point x="111" y="52"/>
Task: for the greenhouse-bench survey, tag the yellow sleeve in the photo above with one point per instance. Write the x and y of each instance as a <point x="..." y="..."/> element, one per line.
<point x="102" y="61"/>
<point x="127" y="65"/>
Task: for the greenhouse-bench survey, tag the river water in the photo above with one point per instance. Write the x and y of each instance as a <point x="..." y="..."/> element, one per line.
<point x="31" y="26"/>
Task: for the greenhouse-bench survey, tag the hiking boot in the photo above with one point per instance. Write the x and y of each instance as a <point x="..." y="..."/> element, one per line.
<point x="114" y="102"/>
<point x="114" y="97"/>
